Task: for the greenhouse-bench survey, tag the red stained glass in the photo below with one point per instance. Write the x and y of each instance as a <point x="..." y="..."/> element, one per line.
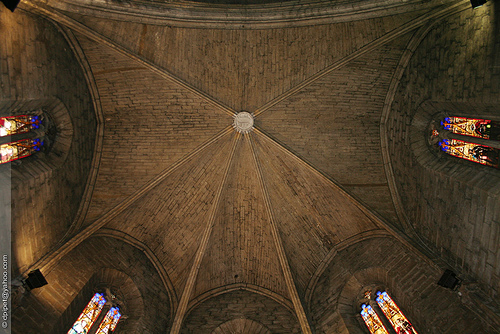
<point x="481" y="154"/>
<point x="89" y="315"/>
<point x="474" y="127"/>
<point x="110" y="321"/>
<point x="18" y="124"/>
<point x="19" y="149"/>
<point x="393" y="313"/>
<point x="372" y="320"/>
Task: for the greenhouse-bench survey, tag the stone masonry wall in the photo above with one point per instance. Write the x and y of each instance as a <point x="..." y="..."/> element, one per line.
<point x="410" y="281"/>
<point x="42" y="309"/>
<point x="36" y="63"/>
<point x="454" y="205"/>
<point x="240" y="304"/>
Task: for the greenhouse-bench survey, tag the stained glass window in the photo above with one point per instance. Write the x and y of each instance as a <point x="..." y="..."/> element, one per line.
<point x="19" y="149"/>
<point x="18" y="124"/>
<point x="474" y="127"/>
<point x="110" y="321"/>
<point x="372" y="320"/>
<point x="482" y="154"/>
<point x="393" y="313"/>
<point x="89" y="315"/>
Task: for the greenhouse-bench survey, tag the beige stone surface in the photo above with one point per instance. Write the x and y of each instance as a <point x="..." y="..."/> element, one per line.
<point x="200" y="229"/>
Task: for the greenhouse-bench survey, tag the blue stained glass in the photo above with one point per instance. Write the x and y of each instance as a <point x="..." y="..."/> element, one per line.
<point x="19" y="149"/>
<point x="372" y="320"/>
<point x="89" y="315"/>
<point x="394" y="315"/>
<point x="110" y="321"/>
<point x="482" y="154"/>
<point x="473" y="127"/>
<point x="18" y="124"/>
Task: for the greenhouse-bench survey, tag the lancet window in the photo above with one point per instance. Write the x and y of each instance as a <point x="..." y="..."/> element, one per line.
<point x="473" y="127"/>
<point x="110" y="321"/>
<point x="89" y="315"/>
<point x="393" y="314"/>
<point x="88" y="319"/>
<point x="21" y="136"/>
<point x="387" y="308"/>
<point x="472" y="139"/>
<point x="372" y="320"/>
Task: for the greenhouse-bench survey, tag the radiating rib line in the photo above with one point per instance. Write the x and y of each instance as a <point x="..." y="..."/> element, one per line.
<point x="317" y="172"/>
<point x="363" y="50"/>
<point x="285" y="266"/>
<point x="193" y="274"/>
<point x="380" y="222"/>
<point x="87" y="32"/>
<point x="64" y="247"/>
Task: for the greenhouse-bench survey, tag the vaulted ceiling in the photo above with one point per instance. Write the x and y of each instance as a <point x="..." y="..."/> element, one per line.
<point x="209" y="207"/>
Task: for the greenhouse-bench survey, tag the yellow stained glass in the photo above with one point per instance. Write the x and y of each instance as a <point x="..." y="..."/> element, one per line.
<point x="474" y="127"/>
<point x="110" y="321"/>
<point x="89" y="315"/>
<point x="372" y="320"/>
<point x="18" y="124"/>
<point x="19" y="149"/>
<point x="394" y="315"/>
<point x="482" y="154"/>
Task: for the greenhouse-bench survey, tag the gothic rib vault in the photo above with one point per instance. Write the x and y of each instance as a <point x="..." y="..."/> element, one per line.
<point x="207" y="212"/>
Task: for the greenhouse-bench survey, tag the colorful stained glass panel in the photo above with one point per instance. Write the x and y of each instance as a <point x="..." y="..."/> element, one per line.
<point x="110" y="321"/>
<point x="474" y="127"/>
<point x="396" y="318"/>
<point x="482" y="154"/>
<point x="18" y="124"/>
<point x="19" y="149"/>
<point x="372" y="320"/>
<point x="89" y="315"/>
